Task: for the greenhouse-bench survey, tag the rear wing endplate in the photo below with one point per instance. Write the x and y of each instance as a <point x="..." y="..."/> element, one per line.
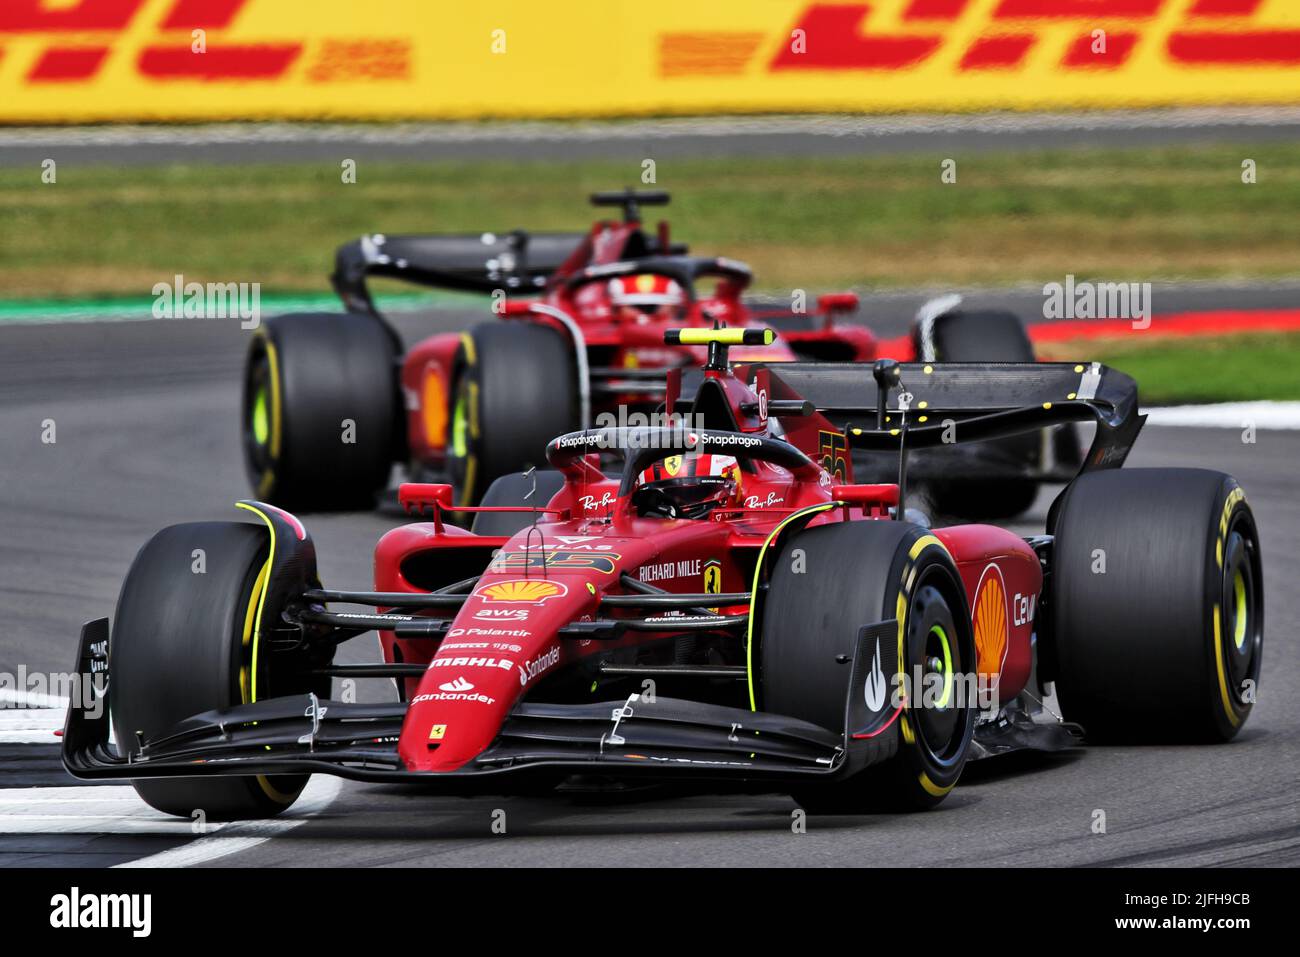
<point x="959" y="402"/>
<point x="482" y="262"/>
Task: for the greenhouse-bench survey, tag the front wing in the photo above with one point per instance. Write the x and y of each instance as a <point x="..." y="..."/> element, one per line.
<point x="305" y="734"/>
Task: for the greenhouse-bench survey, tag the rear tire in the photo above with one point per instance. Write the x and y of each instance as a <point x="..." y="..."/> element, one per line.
<point x="856" y="574"/>
<point x="984" y="336"/>
<point x="181" y="645"/>
<point x="514" y="390"/>
<point x="321" y="424"/>
<point x="1163" y="640"/>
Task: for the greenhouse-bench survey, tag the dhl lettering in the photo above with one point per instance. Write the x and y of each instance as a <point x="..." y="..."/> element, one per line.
<point x="38" y="16"/>
<point x="133" y="60"/>
<point x="1082" y="53"/>
<point x="1077" y="9"/>
<point x="935" y="9"/>
<point x="205" y="14"/>
<point x="253" y="62"/>
<point x="59" y="64"/>
<point x="838" y="38"/>
<point x="997" y="52"/>
<point x="1274" y="46"/>
<point x="373" y="59"/>
<point x="836" y="42"/>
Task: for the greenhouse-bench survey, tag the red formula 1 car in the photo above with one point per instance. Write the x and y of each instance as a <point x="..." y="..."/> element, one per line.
<point x="711" y="599"/>
<point x="331" y="401"/>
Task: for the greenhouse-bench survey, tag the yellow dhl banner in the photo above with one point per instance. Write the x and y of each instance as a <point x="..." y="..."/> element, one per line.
<point x="92" y="60"/>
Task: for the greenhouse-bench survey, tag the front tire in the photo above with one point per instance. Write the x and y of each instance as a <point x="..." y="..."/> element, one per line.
<point x="182" y="645"/>
<point x="1157" y="605"/>
<point x="855" y="574"/>
<point x="321" y="424"/>
<point x="515" y="389"/>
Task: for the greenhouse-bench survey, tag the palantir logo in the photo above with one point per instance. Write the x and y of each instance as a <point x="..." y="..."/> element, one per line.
<point x="75" y="910"/>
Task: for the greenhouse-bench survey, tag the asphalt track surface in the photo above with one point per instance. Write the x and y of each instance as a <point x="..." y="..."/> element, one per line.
<point x="831" y="135"/>
<point x="146" y="420"/>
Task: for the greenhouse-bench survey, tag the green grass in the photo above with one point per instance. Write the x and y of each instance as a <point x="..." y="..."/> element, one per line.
<point x="815" y="223"/>
<point x="1231" y="369"/>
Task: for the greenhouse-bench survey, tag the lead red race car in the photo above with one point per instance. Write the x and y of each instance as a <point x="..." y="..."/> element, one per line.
<point x="713" y="600"/>
<point x="333" y="400"/>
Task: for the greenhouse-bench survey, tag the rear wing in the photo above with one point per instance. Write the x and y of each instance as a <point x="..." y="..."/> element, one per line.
<point x="959" y="402"/>
<point x="482" y="262"/>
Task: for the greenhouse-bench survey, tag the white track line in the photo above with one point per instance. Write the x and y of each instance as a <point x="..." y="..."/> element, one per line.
<point x="1230" y="415"/>
<point x="116" y="809"/>
<point x="112" y="809"/>
<point x="9" y="697"/>
<point x="243" y="835"/>
<point x="30" y="725"/>
<point x="836" y="125"/>
<point x="27" y="717"/>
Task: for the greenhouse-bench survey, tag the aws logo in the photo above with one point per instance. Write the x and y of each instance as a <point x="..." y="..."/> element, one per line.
<point x="836" y="37"/>
<point x="84" y="34"/>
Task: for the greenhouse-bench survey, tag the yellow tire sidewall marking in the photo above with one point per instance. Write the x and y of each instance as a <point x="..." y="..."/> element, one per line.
<point x="252" y="633"/>
<point x="753" y="595"/>
<point x="904" y="593"/>
<point x="273" y="360"/>
<point x="1225" y="697"/>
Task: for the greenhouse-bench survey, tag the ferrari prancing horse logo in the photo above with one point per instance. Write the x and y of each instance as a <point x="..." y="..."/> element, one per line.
<point x="713" y="577"/>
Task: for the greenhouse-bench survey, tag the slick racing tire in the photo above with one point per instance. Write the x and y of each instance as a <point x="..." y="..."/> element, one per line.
<point x="514" y="390"/>
<point x="321" y="417"/>
<point x="985" y="336"/>
<point x="182" y="644"/>
<point x="515" y="490"/>
<point x="827" y="583"/>
<point x="1157" y="605"/>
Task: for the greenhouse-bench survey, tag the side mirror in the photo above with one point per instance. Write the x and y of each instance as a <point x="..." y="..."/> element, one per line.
<point x="415" y="497"/>
<point x="883" y="496"/>
<point x="833" y="302"/>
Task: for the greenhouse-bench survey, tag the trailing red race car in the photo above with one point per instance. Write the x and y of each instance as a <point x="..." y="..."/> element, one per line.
<point x="715" y="598"/>
<point x="331" y="401"/>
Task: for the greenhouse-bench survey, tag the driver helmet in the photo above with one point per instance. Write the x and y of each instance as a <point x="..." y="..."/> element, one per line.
<point x="695" y="482"/>
<point x="646" y="296"/>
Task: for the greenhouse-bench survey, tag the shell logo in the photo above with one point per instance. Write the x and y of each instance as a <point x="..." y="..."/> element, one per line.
<point x="990" y="620"/>
<point x="533" y="592"/>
